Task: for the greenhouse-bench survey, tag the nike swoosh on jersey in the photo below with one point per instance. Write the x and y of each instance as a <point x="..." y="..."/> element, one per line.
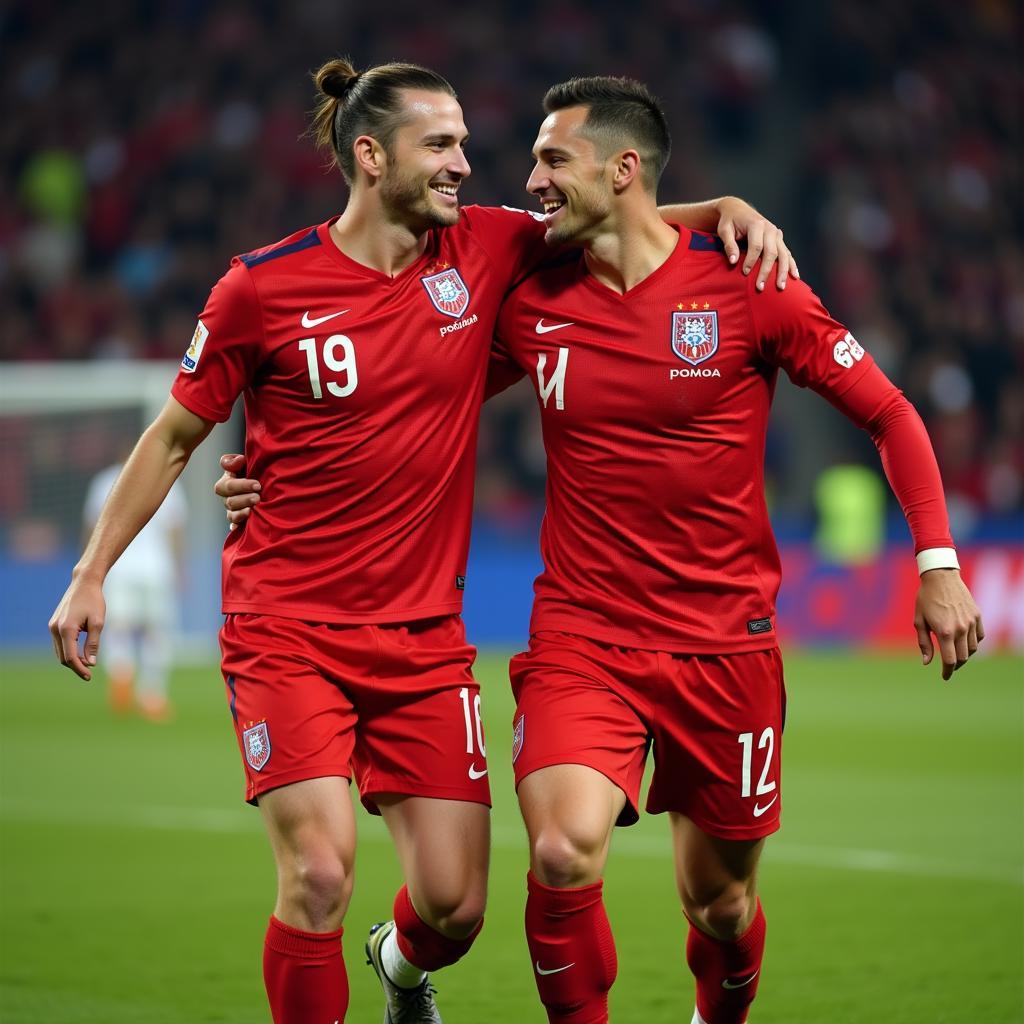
<point x="308" y="321"/>
<point x="475" y="773"/>
<point x="730" y="984"/>
<point x="554" y="970"/>
<point x="543" y="328"/>
<point x="759" y="810"/>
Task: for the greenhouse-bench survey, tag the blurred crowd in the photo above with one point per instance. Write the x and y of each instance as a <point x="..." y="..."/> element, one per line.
<point x="913" y="194"/>
<point x="144" y="144"/>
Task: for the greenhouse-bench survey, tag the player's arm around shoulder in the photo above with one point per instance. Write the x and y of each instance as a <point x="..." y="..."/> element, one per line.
<point x="733" y="219"/>
<point x="156" y="462"/>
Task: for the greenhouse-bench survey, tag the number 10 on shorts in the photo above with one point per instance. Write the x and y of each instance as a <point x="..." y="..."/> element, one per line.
<point x="474" y="725"/>
<point x="766" y="743"/>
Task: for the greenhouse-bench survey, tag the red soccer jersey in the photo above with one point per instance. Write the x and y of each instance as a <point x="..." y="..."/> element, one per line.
<point x="654" y="407"/>
<point x="362" y="396"/>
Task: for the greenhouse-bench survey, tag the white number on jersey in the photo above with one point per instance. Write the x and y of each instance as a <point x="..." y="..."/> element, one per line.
<point x="346" y="365"/>
<point x="472" y="716"/>
<point x="557" y="382"/>
<point x="746" y="740"/>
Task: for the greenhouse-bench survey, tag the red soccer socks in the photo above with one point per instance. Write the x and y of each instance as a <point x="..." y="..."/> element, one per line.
<point x="572" y="950"/>
<point x="727" y="973"/>
<point x="305" y="975"/>
<point x="422" y="945"/>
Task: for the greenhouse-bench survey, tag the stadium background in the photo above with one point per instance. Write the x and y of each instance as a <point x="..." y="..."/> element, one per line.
<point x="143" y="144"/>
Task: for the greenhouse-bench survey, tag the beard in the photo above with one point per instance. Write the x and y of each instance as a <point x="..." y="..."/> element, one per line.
<point x="408" y="198"/>
<point x="587" y="209"/>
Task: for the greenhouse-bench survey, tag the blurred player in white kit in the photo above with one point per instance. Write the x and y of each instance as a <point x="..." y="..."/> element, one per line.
<point x="142" y="592"/>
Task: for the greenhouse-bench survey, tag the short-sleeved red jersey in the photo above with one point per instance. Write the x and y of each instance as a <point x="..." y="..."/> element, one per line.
<point x="362" y="396"/>
<point x="654" y="408"/>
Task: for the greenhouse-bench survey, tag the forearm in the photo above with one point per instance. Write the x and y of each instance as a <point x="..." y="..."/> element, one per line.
<point x="907" y="456"/>
<point x="910" y="467"/>
<point x="141" y="487"/>
<point x="703" y="216"/>
<point x="156" y="462"/>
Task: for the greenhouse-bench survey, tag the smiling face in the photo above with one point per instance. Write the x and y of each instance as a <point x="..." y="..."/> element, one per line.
<point x="571" y="178"/>
<point x="426" y="161"/>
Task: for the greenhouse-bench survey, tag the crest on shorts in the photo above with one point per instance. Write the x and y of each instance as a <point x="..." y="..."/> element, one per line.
<point x="695" y="335"/>
<point x="448" y="292"/>
<point x="517" y="738"/>
<point x="256" y="744"/>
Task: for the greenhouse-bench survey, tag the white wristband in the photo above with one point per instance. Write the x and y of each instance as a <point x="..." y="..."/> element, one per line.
<point x="936" y="558"/>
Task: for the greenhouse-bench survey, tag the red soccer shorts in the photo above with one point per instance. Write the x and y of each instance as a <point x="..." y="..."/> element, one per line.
<point x="394" y="707"/>
<point x="715" y="723"/>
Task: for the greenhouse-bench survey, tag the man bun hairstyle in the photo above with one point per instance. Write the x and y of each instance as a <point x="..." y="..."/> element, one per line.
<point x="335" y="78"/>
<point x="621" y="112"/>
<point x="354" y="103"/>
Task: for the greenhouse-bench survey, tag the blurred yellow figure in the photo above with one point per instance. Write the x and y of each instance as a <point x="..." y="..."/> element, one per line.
<point x="850" y="502"/>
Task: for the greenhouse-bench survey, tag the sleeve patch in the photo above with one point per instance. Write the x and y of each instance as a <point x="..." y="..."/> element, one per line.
<point x="190" y="360"/>
<point x="847" y="351"/>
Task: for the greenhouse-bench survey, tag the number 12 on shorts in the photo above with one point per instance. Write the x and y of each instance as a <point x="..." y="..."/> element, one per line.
<point x="746" y="740"/>
<point x="474" y="724"/>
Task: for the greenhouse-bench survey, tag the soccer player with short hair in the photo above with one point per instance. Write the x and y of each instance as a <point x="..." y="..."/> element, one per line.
<point x="654" y="622"/>
<point x="360" y="346"/>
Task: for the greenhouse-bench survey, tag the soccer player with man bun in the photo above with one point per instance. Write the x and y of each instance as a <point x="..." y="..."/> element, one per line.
<point x="654" y="364"/>
<point x="360" y="346"/>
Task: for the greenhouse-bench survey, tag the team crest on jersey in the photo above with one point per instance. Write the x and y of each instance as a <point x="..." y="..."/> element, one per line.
<point x="695" y="335"/>
<point x="517" y="738"/>
<point x="190" y="360"/>
<point x="256" y="744"/>
<point x="448" y="292"/>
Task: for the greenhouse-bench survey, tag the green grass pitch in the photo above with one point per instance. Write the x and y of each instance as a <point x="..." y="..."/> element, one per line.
<point x="135" y="885"/>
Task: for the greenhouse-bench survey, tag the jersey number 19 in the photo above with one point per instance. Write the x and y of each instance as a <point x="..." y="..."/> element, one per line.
<point x="345" y="365"/>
